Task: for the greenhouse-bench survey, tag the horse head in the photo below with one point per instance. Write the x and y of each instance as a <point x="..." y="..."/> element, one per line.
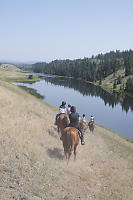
<point x="66" y="121"/>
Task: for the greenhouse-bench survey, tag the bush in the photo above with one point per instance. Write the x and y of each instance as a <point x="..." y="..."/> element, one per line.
<point x="30" y="76"/>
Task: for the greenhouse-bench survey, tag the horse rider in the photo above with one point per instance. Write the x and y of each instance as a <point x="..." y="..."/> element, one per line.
<point x="62" y="109"/>
<point x="91" y="122"/>
<point x="84" y="118"/>
<point x="69" y="109"/>
<point x="74" y="122"/>
<point x="92" y="118"/>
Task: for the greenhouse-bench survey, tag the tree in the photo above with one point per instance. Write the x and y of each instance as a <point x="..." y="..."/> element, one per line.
<point x="115" y="84"/>
<point x="100" y="82"/>
<point x="119" y="80"/>
<point x="129" y="85"/>
<point x="30" y="76"/>
<point x="90" y="69"/>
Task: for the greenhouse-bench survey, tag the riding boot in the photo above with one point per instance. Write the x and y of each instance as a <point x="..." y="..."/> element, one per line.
<point x="82" y="139"/>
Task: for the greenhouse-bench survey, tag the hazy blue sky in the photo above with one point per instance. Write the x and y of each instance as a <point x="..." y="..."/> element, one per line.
<point x="44" y="30"/>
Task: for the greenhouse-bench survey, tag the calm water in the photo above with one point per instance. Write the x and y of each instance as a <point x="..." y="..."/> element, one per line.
<point x="110" y="111"/>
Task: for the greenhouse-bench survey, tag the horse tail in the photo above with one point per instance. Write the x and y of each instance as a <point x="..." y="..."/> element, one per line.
<point x="72" y="142"/>
<point x="68" y="139"/>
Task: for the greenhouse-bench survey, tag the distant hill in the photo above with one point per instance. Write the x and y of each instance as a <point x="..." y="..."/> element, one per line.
<point x="8" y="67"/>
<point x="13" y="62"/>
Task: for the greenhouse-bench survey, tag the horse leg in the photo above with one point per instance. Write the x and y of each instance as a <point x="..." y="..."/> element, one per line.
<point x="65" y="151"/>
<point x="75" y="152"/>
<point x="69" y="155"/>
<point x="58" y="129"/>
<point x="92" y="129"/>
<point x="69" y="152"/>
<point x="61" y="133"/>
<point x="66" y="155"/>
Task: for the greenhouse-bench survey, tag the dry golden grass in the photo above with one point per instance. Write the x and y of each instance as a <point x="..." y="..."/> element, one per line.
<point x="32" y="164"/>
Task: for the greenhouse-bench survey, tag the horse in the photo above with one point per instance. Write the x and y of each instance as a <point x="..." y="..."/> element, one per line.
<point x="83" y="126"/>
<point x="91" y="126"/>
<point x="62" y="122"/>
<point x="70" y="140"/>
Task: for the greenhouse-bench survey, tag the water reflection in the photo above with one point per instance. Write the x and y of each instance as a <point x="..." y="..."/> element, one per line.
<point x="89" y="89"/>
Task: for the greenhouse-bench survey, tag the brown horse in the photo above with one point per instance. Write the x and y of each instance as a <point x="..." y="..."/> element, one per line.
<point x="91" y="126"/>
<point x="83" y="126"/>
<point x="62" y="122"/>
<point x="70" y="140"/>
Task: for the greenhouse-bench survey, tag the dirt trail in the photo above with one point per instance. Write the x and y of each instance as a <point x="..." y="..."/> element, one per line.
<point x="32" y="164"/>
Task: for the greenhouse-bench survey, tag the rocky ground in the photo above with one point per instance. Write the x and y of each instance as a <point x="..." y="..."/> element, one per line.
<point x="32" y="164"/>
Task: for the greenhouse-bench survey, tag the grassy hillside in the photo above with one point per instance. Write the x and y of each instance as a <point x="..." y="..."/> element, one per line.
<point x="108" y="82"/>
<point x="32" y="164"/>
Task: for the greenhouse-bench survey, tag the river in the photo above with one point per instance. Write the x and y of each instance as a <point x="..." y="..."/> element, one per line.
<point x="111" y="111"/>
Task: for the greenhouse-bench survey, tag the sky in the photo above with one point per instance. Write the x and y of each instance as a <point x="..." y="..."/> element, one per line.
<point x="45" y="30"/>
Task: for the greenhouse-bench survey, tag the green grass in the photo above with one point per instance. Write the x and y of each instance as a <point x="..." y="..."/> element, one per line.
<point x="32" y="92"/>
<point x="116" y="146"/>
<point x="24" y="79"/>
<point x="125" y="138"/>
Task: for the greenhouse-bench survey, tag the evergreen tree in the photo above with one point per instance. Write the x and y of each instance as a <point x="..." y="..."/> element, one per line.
<point x="115" y="84"/>
<point x="129" y="85"/>
<point x="119" y="80"/>
<point x="90" y="69"/>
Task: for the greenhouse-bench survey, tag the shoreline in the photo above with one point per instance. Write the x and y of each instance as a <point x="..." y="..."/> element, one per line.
<point x="35" y="78"/>
<point x="113" y="132"/>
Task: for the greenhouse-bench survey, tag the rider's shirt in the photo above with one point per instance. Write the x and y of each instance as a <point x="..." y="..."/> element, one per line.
<point x="68" y="110"/>
<point x="74" y="120"/>
<point x="62" y="109"/>
<point x="83" y="119"/>
<point x="92" y="119"/>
